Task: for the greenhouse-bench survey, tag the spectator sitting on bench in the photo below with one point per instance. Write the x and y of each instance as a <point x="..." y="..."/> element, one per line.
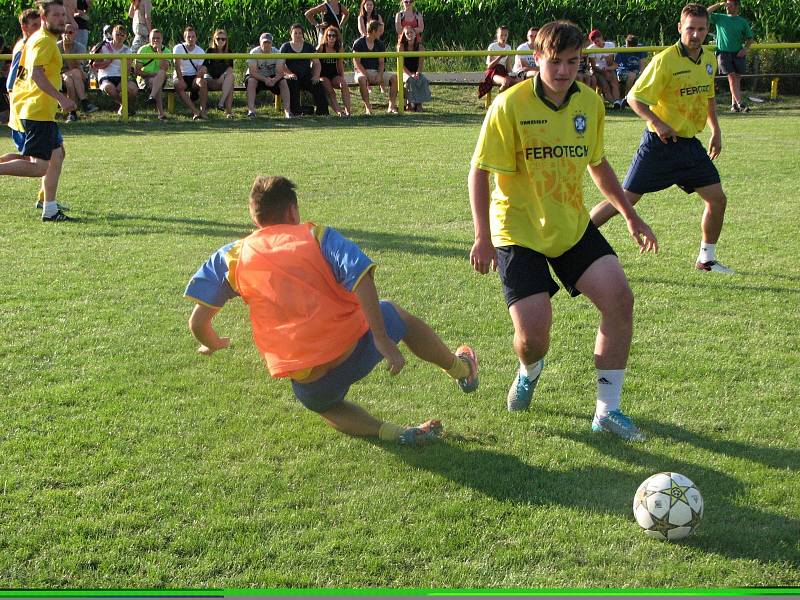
<point x="302" y="73"/>
<point x="152" y="71"/>
<point x="73" y="76"/>
<point x="629" y="65"/>
<point x="262" y="74"/>
<point x="370" y="71"/>
<point x="109" y="72"/>
<point x="585" y="69"/>
<point x="497" y="67"/>
<point x="219" y="75"/>
<point x="332" y="71"/>
<point x="190" y="75"/>
<point x="604" y="69"/>
<point x="525" y="64"/>
<point x="415" y="84"/>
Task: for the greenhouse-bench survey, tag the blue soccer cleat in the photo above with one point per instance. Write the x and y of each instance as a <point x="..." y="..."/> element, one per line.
<point x="470" y="382"/>
<point x="620" y="424"/>
<point x="423" y="434"/>
<point x="520" y="393"/>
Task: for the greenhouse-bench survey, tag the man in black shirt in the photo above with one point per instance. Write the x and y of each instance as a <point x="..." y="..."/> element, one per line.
<point x="369" y="71"/>
<point x="302" y="74"/>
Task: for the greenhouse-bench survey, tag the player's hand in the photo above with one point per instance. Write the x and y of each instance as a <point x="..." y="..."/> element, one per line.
<point x="224" y="342"/>
<point x="742" y="53"/>
<point x="644" y="236"/>
<point x="68" y="105"/>
<point x="483" y="256"/>
<point x="395" y="359"/>
<point x="665" y="132"/>
<point x="715" y="145"/>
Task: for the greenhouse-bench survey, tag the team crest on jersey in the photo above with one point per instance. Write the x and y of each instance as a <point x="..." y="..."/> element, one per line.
<point x="579" y="121"/>
<point x="709" y="69"/>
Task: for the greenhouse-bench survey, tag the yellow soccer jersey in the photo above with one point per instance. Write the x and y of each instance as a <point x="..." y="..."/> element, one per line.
<point x="538" y="154"/>
<point x="678" y="89"/>
<point x="31" y="102"/>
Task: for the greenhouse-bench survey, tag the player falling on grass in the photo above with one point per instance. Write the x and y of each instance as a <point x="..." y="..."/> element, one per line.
<point x="675" y="95"/>
<point x="537" y="139"/>
<point x="315" y="314"/>
<point x="35" y="98"/>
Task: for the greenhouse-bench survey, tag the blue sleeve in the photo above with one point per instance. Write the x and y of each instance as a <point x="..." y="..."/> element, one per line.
<point x="210" y="285"/>
<point x="348" y="263"/>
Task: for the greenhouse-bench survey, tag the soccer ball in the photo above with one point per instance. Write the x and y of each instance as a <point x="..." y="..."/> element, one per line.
<point x="668" y="506"/>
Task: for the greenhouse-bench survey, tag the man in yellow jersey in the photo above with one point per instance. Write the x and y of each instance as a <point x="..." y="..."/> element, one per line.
<point x="675" y="95"/>
<point x="35" y="99"/>
<point x="537" y="139"/>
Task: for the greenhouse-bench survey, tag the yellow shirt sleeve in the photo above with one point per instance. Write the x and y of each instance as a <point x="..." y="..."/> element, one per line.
<point x="598" y="150"/>
<point x="497" y="143"/>
<point x="650" y="84"/>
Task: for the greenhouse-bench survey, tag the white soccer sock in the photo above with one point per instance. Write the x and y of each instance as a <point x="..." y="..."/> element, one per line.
<point x="708" y="252"/>
<point x="49" y="208"/>
<point x="531" y="371"/>
<point x="609" y="390"/>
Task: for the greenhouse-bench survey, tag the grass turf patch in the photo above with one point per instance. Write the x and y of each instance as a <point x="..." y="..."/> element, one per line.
<point x="131" y="461"/>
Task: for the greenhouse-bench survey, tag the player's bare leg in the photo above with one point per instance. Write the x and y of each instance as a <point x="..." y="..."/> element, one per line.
<point x="532" y="318"/>
<point x="351" y="419"/>
<point x="711" y="228"/>
<point x="603" y="211"/>
<point x="605" y="284"/>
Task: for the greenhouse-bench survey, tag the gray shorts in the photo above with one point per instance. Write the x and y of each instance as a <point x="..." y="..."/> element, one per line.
<point x="729" y="63"/>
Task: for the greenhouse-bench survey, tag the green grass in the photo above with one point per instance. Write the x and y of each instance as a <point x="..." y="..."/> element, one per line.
<point x="130" y="461"/>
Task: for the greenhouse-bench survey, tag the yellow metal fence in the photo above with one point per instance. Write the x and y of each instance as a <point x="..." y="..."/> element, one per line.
<point x="400" y="56"/>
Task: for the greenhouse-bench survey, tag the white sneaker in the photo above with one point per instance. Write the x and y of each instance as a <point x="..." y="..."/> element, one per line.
<point x="715" y="266"/>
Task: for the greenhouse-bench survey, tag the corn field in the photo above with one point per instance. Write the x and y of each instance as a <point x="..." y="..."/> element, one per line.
<point x="467" y="24"/>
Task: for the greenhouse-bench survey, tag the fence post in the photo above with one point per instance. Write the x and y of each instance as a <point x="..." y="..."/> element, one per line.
<point x="401" y="103"/>
<point x="124" y="90"/>
<point x="773" y="90"/>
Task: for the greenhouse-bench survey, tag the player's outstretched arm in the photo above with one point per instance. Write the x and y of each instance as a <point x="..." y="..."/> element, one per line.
<point x="203" y="331"/>
<point x="606" y="181"/>
<point x="715" y="143"/>
<point x="41" y="80"/>
<point x="482" y="256"/>
<point x="368" y="297"/>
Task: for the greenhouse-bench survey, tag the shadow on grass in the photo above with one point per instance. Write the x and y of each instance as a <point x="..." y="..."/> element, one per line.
<point x="722" y="282"/>
<point x="728" y="529"/>
<point x="181" y="124"/>
<point x="116" y="225"/>
<point x="412" y="244"/>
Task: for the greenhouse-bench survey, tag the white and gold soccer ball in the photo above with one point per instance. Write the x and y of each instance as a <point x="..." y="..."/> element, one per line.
<point x="668" y="506"/>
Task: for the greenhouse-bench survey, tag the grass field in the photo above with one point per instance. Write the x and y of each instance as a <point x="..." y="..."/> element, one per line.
<point x="128" y="460"/>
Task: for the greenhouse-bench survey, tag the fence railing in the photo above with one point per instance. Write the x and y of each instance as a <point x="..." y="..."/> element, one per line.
<point x="400" y="56"/>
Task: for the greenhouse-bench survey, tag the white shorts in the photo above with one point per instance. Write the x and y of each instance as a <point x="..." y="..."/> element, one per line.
<point x="387" y="77"/>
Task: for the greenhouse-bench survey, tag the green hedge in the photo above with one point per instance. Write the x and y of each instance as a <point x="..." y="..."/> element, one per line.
<point x="448" y="23"/>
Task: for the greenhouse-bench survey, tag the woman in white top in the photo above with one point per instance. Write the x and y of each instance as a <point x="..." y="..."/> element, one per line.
<point x="498" y="67"/>
<point x="109" y="72"/>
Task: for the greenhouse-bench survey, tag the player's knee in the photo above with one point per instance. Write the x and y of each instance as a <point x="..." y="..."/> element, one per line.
<point x="533" y="341"/>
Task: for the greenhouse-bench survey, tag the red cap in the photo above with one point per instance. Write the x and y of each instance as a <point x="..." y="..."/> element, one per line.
<point x="594" y="33"/>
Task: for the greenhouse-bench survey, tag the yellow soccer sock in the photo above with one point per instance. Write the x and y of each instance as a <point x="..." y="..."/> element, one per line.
<point x="389" y="432"/>
<point x="460" y="369"/>
<point x="40" y="195"/>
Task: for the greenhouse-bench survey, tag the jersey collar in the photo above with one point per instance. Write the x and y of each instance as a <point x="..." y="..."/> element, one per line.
<point x="538" y="89"/>
<point x="683" y="51"/>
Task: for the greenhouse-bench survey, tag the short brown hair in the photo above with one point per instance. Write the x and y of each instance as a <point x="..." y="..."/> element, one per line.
<point x="694" y="10"/>
<point x="44" y="7"/>
<point x="27" y="15"/>
<point x="270" y="197"/>
<point x="373" y="25"/>
<point x="556" y="36"/>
